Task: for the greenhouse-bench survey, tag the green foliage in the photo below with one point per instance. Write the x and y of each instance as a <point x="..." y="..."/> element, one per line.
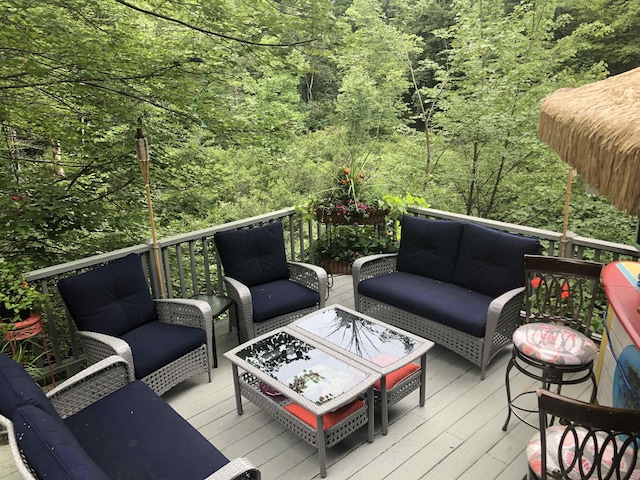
<point x="348" y="243"/>
<point x="17" y="298"/>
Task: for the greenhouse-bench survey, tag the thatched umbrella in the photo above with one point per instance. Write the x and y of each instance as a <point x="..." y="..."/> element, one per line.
<point x="596" y="130"/>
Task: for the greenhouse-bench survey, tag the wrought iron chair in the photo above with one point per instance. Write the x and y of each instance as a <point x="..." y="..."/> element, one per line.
<point x="592" y="441"/>
<point x="268" y="291"/>
<point x="554" y="345"/>
<point x="163" y="341"/>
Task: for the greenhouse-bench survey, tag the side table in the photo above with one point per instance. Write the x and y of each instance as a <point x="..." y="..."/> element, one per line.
<point x="219" y="304"/>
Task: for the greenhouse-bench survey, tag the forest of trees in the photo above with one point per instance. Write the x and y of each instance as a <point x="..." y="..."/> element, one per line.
<point x="250" y="106"/>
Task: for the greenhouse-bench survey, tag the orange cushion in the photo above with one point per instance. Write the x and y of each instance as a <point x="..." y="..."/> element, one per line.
<point x="398" y="375"/>
<point x="328" y="419"/>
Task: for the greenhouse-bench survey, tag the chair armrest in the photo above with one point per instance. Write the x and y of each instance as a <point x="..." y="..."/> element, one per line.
<point x="240" y="294"/>
<point x="311" y="276"/>
<point x="234" y="469"/>
<point x="90" y="385"/>
<point x="184" y="311"/>
<point x="98" y="346"/>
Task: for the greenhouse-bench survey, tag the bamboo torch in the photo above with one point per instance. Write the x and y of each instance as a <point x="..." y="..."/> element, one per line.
<point x="143" y="157"/>
<point x="567" y="204"/>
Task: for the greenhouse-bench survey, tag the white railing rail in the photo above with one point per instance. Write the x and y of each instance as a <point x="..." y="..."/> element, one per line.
<point x="190" y="265"/>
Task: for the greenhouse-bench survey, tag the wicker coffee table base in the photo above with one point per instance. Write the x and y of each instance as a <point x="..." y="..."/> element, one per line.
<point x="248" y="387"/>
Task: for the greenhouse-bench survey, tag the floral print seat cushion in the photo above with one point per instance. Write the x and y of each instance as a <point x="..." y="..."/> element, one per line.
<point x="554" y="344"/>
<point x="581" y="469"/>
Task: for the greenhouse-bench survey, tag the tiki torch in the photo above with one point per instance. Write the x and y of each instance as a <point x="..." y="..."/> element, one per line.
<point x="143" y="157"/>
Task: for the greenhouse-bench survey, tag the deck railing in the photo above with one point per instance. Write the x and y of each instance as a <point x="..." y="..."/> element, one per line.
<point x="190" y="266"/>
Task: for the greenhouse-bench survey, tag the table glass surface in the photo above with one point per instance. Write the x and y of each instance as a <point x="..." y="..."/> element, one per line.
<point x="307" y="370"/>
<point x="370" y="341"/>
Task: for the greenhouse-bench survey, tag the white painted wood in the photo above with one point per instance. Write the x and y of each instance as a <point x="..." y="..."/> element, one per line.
<point x="456" y="435"/>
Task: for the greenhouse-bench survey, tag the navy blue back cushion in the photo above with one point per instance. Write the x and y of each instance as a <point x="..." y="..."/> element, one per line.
<point x="50" y="448"/>
<point x="492" y="262"/>
<point x="253" y="256"/>
<point x="18" y="388"/>
<point x="134" y="434"/>
<point x="429" y="247"/>
<point x="111" y="299"/>
<point x="280" y="297"/>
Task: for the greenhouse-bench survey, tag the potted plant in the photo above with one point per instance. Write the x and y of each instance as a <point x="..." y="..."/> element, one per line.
<point x="20" y="302"/>
<point x="343" y="244"/>
<point x="351" y="200"/>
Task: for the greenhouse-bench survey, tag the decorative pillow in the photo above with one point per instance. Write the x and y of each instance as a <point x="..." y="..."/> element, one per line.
<point x="491" y="262"/>
<point x="398" y="375"/>
<point x="429" y="247"/>
<point x="50" y="448"/>
<point x="18" y="388"/>
<point x="254" y="256"/>
<point x="328" y="419"/>
<point x="111" y="299"/>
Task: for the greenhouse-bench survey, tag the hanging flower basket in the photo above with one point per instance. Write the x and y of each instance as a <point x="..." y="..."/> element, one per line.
<point x="333" y="217"/>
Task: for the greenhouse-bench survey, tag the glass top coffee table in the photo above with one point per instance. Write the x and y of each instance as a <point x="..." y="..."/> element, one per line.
<point x="314" y="391"/>
<point x="380" y="347"/>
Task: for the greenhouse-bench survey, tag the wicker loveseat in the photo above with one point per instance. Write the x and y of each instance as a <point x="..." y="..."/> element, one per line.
<point x="102" y="425"/>
<point x="457" y="284"/>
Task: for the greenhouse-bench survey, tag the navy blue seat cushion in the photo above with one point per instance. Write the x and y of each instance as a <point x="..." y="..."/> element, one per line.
<point x="280" y="297"/>
<point x="492" y="262"/>
<point x="111" y="299"/>
<point x="50" y="448"/>
<point x="429" y="247"/>
<point x="134" y="434"/>
<point x="18" y="388"/>
<point x="441" y="302"/>
<point x="156" y="344"/>
<point x="253" y="256"/>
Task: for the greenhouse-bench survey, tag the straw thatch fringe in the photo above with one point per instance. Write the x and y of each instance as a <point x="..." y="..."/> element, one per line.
<point x="596" y="130"/>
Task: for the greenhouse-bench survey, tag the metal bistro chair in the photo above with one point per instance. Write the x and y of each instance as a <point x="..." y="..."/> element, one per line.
<point x="554" y="345"/>
<point x="594" y="442"/>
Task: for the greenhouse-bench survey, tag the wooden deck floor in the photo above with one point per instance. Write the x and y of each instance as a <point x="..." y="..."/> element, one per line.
<point x="456" y="435"/>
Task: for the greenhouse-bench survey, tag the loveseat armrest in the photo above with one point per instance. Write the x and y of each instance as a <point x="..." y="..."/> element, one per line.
<point x="372" y="266"/>
<point x="98" y="346"/>
<point x="503" y="318"/>
<point x="90" y="385"/>
<point x="311" y="276"/>
<point x="234" y="469"/>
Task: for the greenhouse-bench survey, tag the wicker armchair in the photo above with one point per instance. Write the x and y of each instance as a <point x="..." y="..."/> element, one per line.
<point x="163" y="341"/>
<point x="102" y="424"/>
<point x="268" y="291"/>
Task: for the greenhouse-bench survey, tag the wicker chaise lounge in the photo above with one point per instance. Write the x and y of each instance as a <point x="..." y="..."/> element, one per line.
<point x="101" y="424"/>
<point x="457" y="284"/>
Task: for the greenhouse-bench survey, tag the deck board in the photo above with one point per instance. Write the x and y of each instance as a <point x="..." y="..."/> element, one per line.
<point x="456" y="435"/>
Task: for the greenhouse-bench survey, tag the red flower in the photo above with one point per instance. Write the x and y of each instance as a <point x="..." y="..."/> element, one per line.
<point x="565" y="290"/>
<point x="346" y="171"/>
<point x="535" y="283"/>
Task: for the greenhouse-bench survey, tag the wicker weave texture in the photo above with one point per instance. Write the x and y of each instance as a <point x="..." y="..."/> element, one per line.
<point x="311" y="276"/>
<point x="503" y="316"/>
<point x="191" y="313"/>
<point x="399" y="390"/>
